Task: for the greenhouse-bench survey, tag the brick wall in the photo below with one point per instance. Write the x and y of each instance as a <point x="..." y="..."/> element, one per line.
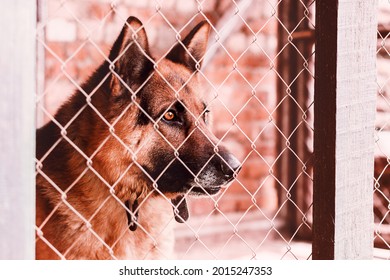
<point x="76" y="35"/>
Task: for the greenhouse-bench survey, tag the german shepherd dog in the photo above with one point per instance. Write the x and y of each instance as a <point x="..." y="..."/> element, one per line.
<point x="126" y="149"/>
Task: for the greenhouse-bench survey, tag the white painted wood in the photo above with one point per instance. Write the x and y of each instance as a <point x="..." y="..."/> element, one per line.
<point x="17" y="129"/>
<point x="355" y="117"/>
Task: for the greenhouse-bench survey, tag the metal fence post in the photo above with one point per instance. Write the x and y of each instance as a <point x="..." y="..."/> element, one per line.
<point x="345" y="102"/>
<point x="17" y="126"/>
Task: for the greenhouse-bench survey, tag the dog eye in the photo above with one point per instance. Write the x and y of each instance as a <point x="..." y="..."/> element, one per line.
<point x="170" y="116"/>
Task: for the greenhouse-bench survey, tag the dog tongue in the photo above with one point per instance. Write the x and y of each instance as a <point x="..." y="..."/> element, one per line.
<point x="180" y="209"/>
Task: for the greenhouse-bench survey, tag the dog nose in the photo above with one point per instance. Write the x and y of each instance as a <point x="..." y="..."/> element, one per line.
<point x="230" y="165"/>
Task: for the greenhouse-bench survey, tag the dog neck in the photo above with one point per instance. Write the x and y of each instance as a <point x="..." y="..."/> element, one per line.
<point x="132" y="214"/>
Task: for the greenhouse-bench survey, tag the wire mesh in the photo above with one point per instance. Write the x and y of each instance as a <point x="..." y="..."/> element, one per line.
<point x="382" y="135"/>
<point x="247" y="220"/>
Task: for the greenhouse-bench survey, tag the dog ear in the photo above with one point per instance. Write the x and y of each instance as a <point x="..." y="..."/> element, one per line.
<point x="191" y="50"/>
<point x="131" y="57"/>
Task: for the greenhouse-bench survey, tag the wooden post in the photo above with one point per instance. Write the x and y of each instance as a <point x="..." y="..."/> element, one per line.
<point x="17" y="126"/>
<point x="345" y="102"/>
<point x="292" y="90"/>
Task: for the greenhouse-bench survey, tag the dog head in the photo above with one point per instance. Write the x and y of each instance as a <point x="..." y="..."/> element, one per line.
<point x="167" y="129"/>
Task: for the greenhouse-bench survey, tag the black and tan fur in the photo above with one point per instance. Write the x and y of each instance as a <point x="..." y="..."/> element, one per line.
<point x="132" y="143"/>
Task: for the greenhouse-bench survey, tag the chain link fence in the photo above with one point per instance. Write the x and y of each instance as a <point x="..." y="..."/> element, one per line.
<point x="262" y="111"/>
<point x="382" y="135"/>
<point x="250" y="219"/>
